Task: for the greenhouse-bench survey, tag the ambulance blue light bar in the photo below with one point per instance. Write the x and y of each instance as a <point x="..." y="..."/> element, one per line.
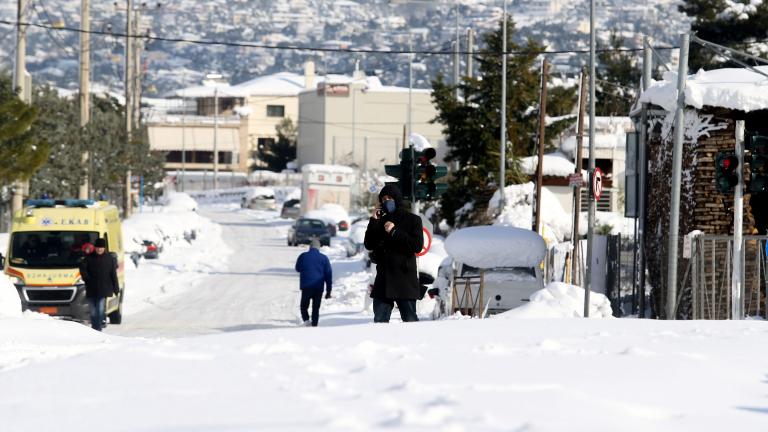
<point x="64" y="203"/>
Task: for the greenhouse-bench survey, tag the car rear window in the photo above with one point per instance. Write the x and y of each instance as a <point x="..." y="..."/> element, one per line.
<point x="309" y="223"/>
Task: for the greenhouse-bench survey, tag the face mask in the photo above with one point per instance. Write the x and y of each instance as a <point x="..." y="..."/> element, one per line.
<point x="389" y="205"/>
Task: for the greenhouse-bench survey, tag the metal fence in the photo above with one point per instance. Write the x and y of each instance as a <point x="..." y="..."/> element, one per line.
<point x="614" y="275"/>
<point x="711" y="274"/>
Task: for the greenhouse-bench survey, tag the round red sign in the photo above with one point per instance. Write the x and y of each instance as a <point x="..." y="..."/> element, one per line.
<point x="597" y="183"/>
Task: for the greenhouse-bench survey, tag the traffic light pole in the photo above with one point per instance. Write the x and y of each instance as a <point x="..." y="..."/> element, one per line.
<point x="677" y="163"/>
<point x="738" y="218"/>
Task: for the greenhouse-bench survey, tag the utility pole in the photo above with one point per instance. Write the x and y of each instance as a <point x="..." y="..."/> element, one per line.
<point x="216" y="137"/>
<point x="503" y="141"/>
<point x="410" y="88"/>
<point x="85" y="92"/>
<point x="470" y="52"/>
<point x="677" y="167"/>
<point x="591" y="208"/>
<point x="23" y="85"/>
<point x="542" y="128"/>
<point x="456" y="57"/>
<point x="642" y="157"/>
<point x="576" y="256"/>
<point x="738" y="219"/>
<point x="183" y="142"/>
<point x="128" y="96"/>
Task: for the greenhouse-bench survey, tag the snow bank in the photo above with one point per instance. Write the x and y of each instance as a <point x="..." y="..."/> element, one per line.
<point x="182" y="258"/>
<point x="236" y="195"/>
<point x="738" y="89"/>
<point x="179" y="201"/>
<point x="518" y="211"/>
<point x="561" y="300"/>
<point x="319" y="168"/>
<point x="496" y="246"/>
<point x="10" y="305"/>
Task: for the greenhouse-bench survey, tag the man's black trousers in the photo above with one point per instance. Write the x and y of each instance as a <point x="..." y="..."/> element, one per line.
<point x="316" y="297"/>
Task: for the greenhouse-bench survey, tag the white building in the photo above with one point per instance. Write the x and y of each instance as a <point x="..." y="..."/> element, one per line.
<point x="359" y="122"/>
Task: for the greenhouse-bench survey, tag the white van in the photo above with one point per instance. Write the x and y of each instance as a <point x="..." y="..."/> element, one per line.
<point x="490" y="269"/>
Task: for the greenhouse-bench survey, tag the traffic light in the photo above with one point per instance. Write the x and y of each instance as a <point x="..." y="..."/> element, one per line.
<point x="726" y="176"/>
<point x="425" y="175"/>
<point x="758" y="162"/>
<point x="403" y="172"/>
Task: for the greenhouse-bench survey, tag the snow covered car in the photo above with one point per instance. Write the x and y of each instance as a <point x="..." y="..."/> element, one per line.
<point x="305" y="229"/>
<point x="259" y="198"/>
<point x="335" y="216"/>
<point x="491" y="269"/>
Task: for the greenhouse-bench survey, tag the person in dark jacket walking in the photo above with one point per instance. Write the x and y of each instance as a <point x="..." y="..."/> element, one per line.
<point x="394" y="236"/>
<point x="314" y="272"/>
<point x="99" y="272"/>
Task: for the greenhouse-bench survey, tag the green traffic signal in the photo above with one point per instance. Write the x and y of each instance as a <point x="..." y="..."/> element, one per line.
<point x="758" y="162"/>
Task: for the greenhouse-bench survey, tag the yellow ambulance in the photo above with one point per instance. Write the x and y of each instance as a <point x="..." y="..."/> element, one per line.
<point x="47" y="243"/>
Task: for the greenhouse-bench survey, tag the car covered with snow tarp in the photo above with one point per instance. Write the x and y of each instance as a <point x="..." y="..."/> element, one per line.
<point x="490" y="269"/>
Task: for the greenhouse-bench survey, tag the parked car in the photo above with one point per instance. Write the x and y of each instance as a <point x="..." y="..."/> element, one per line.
<point x="506" y="259"/>
<point x="334" y="215"/>
<point x="305" y="229"/>
<point x="291" y="209"/>
<point x="259" y="198"/>
<point x="150" y="249"/>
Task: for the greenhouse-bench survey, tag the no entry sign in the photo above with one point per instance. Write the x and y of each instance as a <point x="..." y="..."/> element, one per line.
<point x="597" y="183"/>
<point x="427" y="242"/>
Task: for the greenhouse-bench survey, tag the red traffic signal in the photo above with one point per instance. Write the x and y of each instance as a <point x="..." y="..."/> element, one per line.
<point x="726" y="174"/>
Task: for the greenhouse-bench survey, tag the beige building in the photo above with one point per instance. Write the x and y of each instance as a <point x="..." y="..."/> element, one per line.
<point x="357" y="121"/>
<point x="247" y="116"/>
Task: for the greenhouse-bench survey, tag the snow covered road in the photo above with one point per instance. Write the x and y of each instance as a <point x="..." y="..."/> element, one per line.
<point x="255" y="288"/>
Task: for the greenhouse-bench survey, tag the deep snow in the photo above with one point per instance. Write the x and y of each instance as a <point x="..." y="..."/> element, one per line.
<point x="543" y="373"/>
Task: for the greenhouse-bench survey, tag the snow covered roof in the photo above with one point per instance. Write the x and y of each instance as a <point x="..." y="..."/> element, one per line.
<point x="610" y="133"/>
<point x="556" y="164"/>
<point x="737" y="89"/>
<point x="496" y="246"/>
<point x="224" y="90"/>
<point x="279" y="84"/>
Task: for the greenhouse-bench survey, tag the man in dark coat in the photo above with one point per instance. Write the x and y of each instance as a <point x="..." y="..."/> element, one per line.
<point x="314" y="271"/>
<point x="99" y="272"/>
<point x="394" y="236"/>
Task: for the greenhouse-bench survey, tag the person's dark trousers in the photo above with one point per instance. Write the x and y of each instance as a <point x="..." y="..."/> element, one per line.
<point x="96" y="306"/>
<point x="316" y="297"/>
<point x="407" y="310"/>
<point x="382" y="310"/>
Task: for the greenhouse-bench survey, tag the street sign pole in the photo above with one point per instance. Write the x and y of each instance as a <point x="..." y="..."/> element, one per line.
<point x="738" y="216"/>
<point x="591" y="209"/>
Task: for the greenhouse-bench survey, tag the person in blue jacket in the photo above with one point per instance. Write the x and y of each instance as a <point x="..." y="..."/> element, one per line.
<point x="314" y="272"/>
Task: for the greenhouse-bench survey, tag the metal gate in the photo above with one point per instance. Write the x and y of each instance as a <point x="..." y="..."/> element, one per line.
<point x="711" y="274"/>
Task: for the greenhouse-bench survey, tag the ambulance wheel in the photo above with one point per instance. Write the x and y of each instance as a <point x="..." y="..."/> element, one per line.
<point x="116" y="317"/>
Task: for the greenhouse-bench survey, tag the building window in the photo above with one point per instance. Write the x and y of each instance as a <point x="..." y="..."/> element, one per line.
<point x="275" y="111"/>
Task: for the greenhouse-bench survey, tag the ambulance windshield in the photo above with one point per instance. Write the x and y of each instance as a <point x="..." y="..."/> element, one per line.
<point x="49" y="249"/>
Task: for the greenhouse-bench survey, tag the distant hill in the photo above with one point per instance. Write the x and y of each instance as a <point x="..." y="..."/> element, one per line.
<point x="562" y="25"/>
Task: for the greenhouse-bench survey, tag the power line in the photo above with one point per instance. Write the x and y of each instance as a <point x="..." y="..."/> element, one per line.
<point x="53" y="36"/>
<point x="311" y="48"/>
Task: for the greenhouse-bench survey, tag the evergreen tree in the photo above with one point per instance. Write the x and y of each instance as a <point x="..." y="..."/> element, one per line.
<point x="21" y="153"/>
<point x="58" y="124"/>
<point x="715" y="21"/>
<point x="473" y="128"/>
<point x="618" y="76"/>
<point x="110" y="155"/>
<point x="278" y="153"/>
